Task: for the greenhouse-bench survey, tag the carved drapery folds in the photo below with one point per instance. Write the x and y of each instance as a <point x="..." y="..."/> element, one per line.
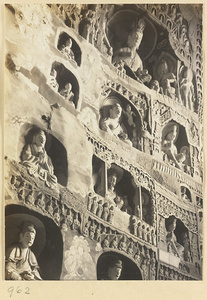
<point x="111" y="121"/>
<point x="170" y="273"/>
<point x="126" y="30"/>
<point x="115" y="186"/>
<point x="180" y="243"/>
<point x="164" y="71"/>
<point x="141" y="192"/>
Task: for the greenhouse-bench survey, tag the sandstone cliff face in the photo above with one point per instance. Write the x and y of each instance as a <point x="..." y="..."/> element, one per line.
<point x="85" y="221"/>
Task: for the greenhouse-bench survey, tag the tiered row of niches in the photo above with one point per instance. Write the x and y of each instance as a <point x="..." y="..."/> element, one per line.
<point x="125" y="146"/>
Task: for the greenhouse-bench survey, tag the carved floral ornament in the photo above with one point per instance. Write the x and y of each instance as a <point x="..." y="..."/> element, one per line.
<point x="167" y="208"/>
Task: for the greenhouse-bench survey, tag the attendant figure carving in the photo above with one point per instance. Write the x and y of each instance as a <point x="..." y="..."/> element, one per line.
<point x="130" y="115"/>
<point x="184" y="195"/>
<point x="113" y="178"/>
<point x="171" y="239"/>
<point x="187" y="88"/>
<point x="154" y="85"/>
<point x="167" y="79"/>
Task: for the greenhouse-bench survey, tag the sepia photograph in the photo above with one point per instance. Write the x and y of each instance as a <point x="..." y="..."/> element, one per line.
<point x="103" y="142"/>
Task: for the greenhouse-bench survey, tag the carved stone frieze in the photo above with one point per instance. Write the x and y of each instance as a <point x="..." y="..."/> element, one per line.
<point x="176" y="173"/>
<point x="101" y="208"/>
<point x="113" y="239"/>
<point x="36" y="196"/>
<point x="143" y="230"/>
<point x="139" y="177"/>
<point x="167" y="208"/>
<point x="166" y="272"/>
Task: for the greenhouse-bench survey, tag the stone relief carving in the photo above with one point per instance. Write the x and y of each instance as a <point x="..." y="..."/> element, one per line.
<point x="166" y="208"/>
<point x="169" y="137"/>
<point x="52" y="81"/>
<point x="67" y="93"/>
<point x="164" y="72"/>
<point x="21" y="263"/>
<point x="129" y="54"/>
<point x="186" y="87"/>
<point x="35" y="158"/>
<point x="97" y="206"/>
<point x="66" y="50"/>
<point x="170" y="273"/>
<point x="112" y="124"/>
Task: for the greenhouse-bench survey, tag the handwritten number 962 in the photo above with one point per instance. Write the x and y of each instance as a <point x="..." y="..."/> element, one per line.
<point x="18" y="290"/>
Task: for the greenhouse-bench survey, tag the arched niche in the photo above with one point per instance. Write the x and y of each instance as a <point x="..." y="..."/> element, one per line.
<point x="54" y="149"/>
<point x="48" y="245"/>
<point x="177" y="238"/>
<point x="128" y="126"/>
<point x="185" y="194"/>
<point x="175" y="145"/>
<point x="65" y="40"/>
<point x="130" y="270"/>
<point x="63" y="77"/>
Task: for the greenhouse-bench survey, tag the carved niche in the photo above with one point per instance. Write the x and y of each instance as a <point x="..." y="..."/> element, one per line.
<point x="127" y="119"/>
<point x="64" y="82"/>
<point x="175" y="146"/>
<point x="69" y="48"/>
